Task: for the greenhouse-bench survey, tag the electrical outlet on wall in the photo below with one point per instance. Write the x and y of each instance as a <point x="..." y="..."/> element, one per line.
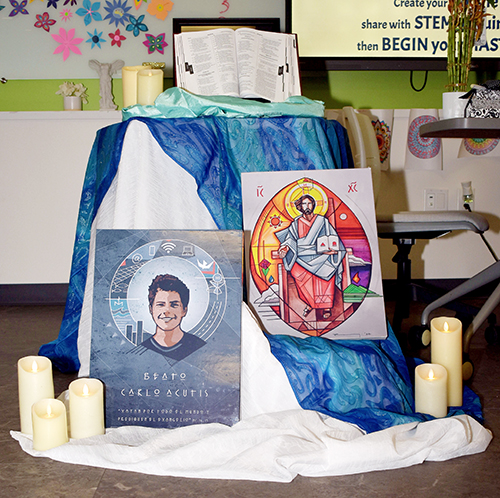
<point x="435" y="199"/>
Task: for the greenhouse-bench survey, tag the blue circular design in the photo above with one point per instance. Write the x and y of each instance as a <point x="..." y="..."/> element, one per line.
<point x="422" y="148"/>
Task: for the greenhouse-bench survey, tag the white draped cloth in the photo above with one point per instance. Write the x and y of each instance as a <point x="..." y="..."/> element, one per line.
<point x="275" y="440"/>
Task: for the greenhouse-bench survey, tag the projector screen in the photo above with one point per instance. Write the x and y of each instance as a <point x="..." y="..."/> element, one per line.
<point x="392" y="32"/>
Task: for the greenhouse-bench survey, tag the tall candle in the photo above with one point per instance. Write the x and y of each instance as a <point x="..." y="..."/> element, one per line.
<point x="50" y="426"/>
<point x="431" y="390"/>
<point x="129" y="84"/>
<point x="86" y="408"/>
<point x="34" y="379"/>
<point x="149" y="86"/>
<point x="446" y="350"/>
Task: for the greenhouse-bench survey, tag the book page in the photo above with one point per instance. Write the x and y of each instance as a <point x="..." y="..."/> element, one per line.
<point x="268" y="65"/>
<point x="206" y="62"/>
<point x="261" y="64"/>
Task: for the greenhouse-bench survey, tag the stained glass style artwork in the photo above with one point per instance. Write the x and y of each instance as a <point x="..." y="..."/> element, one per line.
<point x="313" y="266"/>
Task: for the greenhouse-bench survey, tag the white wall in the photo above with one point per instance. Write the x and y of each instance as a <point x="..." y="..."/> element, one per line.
<point x="43" y="157"/>
<point x="457" y="255"/>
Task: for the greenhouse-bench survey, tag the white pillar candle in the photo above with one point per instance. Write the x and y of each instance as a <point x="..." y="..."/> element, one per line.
<point x="86" y="408"/>
<point x="149" y="86"/>
<point x="50" y="426"/>
<point x="129" y="84"/>
<point x="34" y="380"/>
<point x="446" y="350"/>
<point x="431" y="395"/>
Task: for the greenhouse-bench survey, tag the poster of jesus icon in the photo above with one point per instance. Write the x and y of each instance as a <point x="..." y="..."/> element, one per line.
<point x="312" y="258"/>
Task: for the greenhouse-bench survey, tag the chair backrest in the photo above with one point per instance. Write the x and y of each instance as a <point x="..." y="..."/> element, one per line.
<point x="363" y="142"/>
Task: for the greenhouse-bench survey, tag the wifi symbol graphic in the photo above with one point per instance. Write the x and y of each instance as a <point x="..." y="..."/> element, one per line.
<point x="168" y="246"/>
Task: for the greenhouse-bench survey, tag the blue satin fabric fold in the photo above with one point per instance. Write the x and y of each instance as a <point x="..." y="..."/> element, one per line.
<point x="215" y="151"/>
<point x="367" y="383"/>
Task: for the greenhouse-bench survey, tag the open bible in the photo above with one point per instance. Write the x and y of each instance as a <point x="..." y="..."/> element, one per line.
<point x="245" y="62"/>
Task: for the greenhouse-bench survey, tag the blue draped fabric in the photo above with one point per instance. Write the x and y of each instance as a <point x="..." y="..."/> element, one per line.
<point x="367" y="383"/>
<point x="215" y="151"/>
<point x="363" y="382"/>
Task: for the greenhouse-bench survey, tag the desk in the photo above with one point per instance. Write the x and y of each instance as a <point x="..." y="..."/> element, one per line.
<point x="462" y="128"/>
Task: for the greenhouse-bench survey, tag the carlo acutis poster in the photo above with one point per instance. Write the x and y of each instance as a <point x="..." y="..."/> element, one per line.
<point x="166" y="326"/>
<point x="313" y="260"/>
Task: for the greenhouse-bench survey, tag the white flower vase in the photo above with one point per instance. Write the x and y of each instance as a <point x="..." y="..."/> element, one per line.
<point x="72" y="103"/>
<point x="453" y="105"/>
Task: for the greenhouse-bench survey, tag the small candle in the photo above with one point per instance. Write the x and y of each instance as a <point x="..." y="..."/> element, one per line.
<point x="431" y="395"/>
<point x="129" y="84"/>
<point x="50" y="426"/>
<point x="86" y="408"/>
<point x="34" y="378"/>
<point x="149" y="86"/>
<point x="446" y="350"/>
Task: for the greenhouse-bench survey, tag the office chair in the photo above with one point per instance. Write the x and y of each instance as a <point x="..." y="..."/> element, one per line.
<point x="404" y="228"/>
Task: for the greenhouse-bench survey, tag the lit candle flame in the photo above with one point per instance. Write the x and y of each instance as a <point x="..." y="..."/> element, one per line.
<point x="431" y="375"/>
<point x="34" y="367"/>
<point x="445" y="326"/>
<point x="85" y="390"/>
<point x="49" y="411"/>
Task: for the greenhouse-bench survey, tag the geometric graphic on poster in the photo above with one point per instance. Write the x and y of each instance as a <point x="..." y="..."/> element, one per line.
<point x="196" y="268"/>
<point x="480" y="146"/>
<point x="421" y="147"/>
<point x="383" y="134"/>
<point x="166" y="318"/>
<point x="310" y="261"/>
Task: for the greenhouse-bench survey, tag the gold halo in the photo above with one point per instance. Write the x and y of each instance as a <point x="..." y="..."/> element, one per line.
<point x="302" y="187"/>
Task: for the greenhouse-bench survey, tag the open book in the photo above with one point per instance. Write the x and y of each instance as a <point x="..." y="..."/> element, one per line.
<point x="245" y="62"/>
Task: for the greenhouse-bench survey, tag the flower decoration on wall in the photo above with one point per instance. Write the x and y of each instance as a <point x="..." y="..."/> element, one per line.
<point x="144" y="19"/>
<point x="160" y="8"/>
<point x="116" y="38"/>
<point x="117" y="12"/>
<point x="65" y="15"/>
<point x="155" y="43"/>
<point x="19" y="8"/>
<point x="67" y="43"/>
<point x="69" y="89"/>
<point x="89" y="12"/>
<point x="44" y="21"/>
<point x="136" y="25"/>
<point x="95" y="38"/>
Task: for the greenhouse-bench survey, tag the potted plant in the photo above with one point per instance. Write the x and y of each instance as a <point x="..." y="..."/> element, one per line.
<point x="74" y="95"/>
<point x="465" y="26"/>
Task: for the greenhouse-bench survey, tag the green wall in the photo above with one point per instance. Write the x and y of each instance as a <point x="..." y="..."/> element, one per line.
<point x="360" y="89"/>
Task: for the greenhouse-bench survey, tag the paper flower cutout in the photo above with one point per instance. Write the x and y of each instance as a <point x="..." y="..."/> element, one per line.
<point x="44" y="21"/>
<point x="138" y="3"/>
<point x="116" y="38"/>
<point x="95" y="39"/>
<point x="67" y="43"/>
<point x="71" y="2"/>
<point x="19" y="8"/>
<point x="89" y="12"/>
<point x="52" y="3"/>
<point x="157" y="43"/>
<point x="117" y="12"/>
<point x="160" y="8"/>
<point x="136" y="25"/>
<point x="65" y="15"/>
